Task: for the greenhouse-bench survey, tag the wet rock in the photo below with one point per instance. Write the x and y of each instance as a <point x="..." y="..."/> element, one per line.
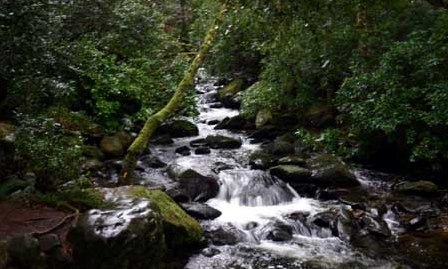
<point x="291" y="173"/>
<point x="293" y="159"/>
<point x="418" y="223"/>
<point x="210" y="252"/>
<point x="324" y="219"/>
<point x="234" y="123"/>
<point x="92" y="164"/>
<point x="261" y="160"/>
<point x="375" y="226"/>
<point x="300" y="216"/>
<point x="328" y="170"/>
<point x="49" y="242"/>
<point x="178" y="195"/>
<point x="202" y="151"/>
<point x="131" y="234"/>
<point x="184" y="151"/>
<point x="201" y="211"/>
<point x="198" y="143"/>
<point x="211" y="97"/>
<point x="216" y="105"/>
<point x="197" y="187"/>
<point x="179" y="128"/>
<point x="24" y="251"/>
<point x="125" y="138"/>
<point x="112" y="146"/>
<point x="421" y="187"/>
<point x="220" y="166"/>
<point x="281" y="148"/>
<point x="226" y="235"/>
<point x="151" y="161"/>
<point x="164" y="139"/>
<point x="277" y="231"/>
<point x="213" y="122"/>
<point x="223" y="142"/>
<point x="263" y="118"/>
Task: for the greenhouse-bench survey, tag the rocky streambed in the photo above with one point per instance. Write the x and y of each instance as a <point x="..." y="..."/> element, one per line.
<point x="217" y="191"/>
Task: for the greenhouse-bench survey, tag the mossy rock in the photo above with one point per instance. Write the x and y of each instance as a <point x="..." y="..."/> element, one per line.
<point x="329" y="171"/>
<point x="179" y="128"/>
<point x="111" y="146"/>
<point x="421" y="187"/>
<point x="232" y="88"/>
<point x="263" y="118"/>
<point x="291" y="173"/>
<point x="93" y="152"/>
<point x="181" y="230"/>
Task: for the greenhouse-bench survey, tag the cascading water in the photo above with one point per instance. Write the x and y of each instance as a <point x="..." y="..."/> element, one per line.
<point x="261" y="211"/>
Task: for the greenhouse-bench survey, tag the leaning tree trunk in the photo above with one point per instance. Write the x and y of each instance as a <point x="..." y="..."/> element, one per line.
<point x="141" y="142"/>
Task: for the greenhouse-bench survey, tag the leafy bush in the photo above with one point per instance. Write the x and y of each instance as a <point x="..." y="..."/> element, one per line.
<point x="46" y="151"/>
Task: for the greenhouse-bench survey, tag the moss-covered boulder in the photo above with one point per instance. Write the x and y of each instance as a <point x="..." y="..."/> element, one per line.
<point x="421" y="187"/>
<point x="180" y="229"/>
<point x="179" y="128"/>
<point x="330" y="171"/>
<point x="229" y="94"/>
<point x="112" y="146"/>
<point x="129" y="234"/>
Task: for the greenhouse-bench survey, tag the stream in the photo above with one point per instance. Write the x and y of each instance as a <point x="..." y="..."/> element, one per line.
<point x="264" y="221"/>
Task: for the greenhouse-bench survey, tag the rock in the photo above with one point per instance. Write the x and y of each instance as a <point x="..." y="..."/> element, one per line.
<point x="266" y="132"/>
<point x="423" y="188"/>
<point x="277" y="231"/>
<point x="126" y="139"/>
<point x="202" y="151"/>
<point x="111" y="146"/>
<point x="178" y="195"/>
<point x="216" y="105"/>
<point x="227" y="94"/>
<point x="134" y="233"/>
<point x="375" y="226"/>
<point x="261" y="160"/>
<point x="330" y="171"/>
<point x="201" y="211"/>
<point x="263" y="118"/>
<point x="184" y="151"/>
<point x="220" y="166"/>
<point x="213" y="122"/>
<point x="210" y="252"/>
<point x="234" y="123"/>
<point x="223" y="142"/>
<point x="293" y="159"/>
<point x="24" y="251"/>
<point x="48" y="242"/>
<point x="11" y="186"/>
<point x="324" y="219"/>
<point x="417" y="223"/>
<point x="198" y="143"/>
<point x="332" y="194"/>
<point x="291" y="173"/>
<point x="225" y="235"/>
<point x="300" y="216"/>
<point x="197" y="187"/>
<point x="179" y="128"/>
<point x="93" y="152"/>
<point x="211" y="97"/>
<point x="151" y="161"/>
<point x="164" y="139"/>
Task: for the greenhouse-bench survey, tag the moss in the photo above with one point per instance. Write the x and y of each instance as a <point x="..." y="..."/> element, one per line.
<point x="233" y="88"/>
<point x="180" y="228"/>
<point x="3" y="254"/>
<point x="80" y="198"/>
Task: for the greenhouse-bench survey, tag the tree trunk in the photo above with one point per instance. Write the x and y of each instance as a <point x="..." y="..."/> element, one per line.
<point x="141" y="142"/>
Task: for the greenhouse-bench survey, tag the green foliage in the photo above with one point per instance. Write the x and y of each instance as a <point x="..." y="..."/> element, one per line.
<point x="258" y="97"/>
<point x="54" y="157"/>
<point x="329" y="140"/>
<point x="406" y="93"/>
<point x="75" y="197"/>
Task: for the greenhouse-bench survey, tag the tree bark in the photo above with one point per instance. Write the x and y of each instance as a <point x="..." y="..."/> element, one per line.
<point x="141" y="142"/>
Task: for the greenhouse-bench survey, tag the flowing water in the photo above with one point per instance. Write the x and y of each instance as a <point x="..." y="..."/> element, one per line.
<point x="252" y="203"/>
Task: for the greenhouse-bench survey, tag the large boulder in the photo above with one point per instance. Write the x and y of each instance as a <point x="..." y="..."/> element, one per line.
<point x="223" y="142"/>
<point x="135" y="232"/>
<point x="422" y="187"/>
<point x="201" y="211"/>
<point x="327" y="170"/>
<point x="261" y="160"/>
<point x="112" y="146"/>
<point x="234" y="123"/>
<point x="179" y="128"/>
<point x="193" y="185"/>
<point x="291" y="173"/>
